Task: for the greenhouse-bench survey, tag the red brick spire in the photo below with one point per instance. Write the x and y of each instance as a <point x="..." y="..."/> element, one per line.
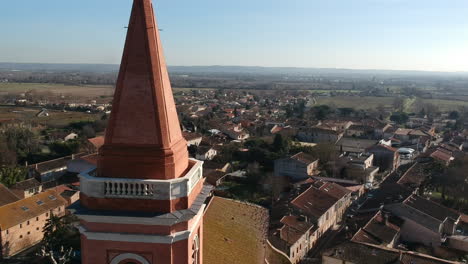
<point x="143" y="139"/>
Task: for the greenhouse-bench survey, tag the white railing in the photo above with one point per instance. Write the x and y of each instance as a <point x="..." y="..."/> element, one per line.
<point x="112" y="188"/>
<point x="141" y="189"/>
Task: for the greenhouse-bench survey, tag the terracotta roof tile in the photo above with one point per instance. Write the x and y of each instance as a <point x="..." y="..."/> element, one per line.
<point x="439" y="154"/>
<point x="304" y="157"/>
<point x="6" y="196"/>
<point x="18" y="212"/>
<point x="335" y="190"/>
<point x="26" y="184"/>
<point x="294" y="227"/>
<point x="97" y="141"/>
<point x="431" y="208"/>
<point x="314" y="202"/>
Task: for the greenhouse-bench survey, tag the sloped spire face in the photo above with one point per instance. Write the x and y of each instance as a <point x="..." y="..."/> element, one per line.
<point x="143" y="139"/>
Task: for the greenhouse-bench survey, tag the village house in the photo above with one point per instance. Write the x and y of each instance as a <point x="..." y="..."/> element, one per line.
<point x="382" y="230"/>
<point x="297" y="167"/>
<point x="415" y="175"/>
<point x="354" y="145"/>
<point x="193" y="139"/>
<point x="385" y="157"/>
<point x="315" y="211"/>
<point x="26" y="188"/>
<point x="239" y="136"/>
<point x="215" y="173"/>
<point x="411" y="136"/>
<point x="360" y="131"/>
<point x="206" y="153"/>
<point x="51" y="170"/>
<point x="358" y="167"/>
<point x="357" y="253"/>
<point x="82" y="164"/>
<point x="22" y="222"/>
<point x="43" y="113"/>
<point x="70" y="136"/>
<point x="430" y="223"/>
<point x="337" y="125"/>
<point x="442" y="156"/>
<point x="319" y="135"/>
<point x="93" y="144"/>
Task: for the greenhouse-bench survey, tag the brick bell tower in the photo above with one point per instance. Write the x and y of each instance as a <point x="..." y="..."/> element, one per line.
<point x="144" y="202"/>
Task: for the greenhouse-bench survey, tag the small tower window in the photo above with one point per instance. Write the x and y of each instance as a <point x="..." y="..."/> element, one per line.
<point x="195" y="250"/>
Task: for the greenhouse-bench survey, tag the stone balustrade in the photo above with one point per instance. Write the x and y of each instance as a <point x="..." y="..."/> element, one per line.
<point x="98" y="187"/>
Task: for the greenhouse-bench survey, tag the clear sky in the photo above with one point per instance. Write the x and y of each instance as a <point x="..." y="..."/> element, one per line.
<point x="358" y="34"/>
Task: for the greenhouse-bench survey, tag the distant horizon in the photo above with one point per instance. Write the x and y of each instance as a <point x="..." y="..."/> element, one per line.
<point x="245" y="66"/>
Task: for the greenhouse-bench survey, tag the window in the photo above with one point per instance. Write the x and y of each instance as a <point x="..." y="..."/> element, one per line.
<point x="37" y="228"/>
<point x="27" y="223"/>
<point x="37" y="218"/>
<point x="21" y="236"/>
<point x="195" y="250"/>
<point x="40" y="202"/>
<point x="29" y="233"/>
<point x="24" y="208"/>
<point x="7" y="232"/>
<point x="51" y="197"/>
<point x="47" y="214"/>
<point x="21" y="225"/>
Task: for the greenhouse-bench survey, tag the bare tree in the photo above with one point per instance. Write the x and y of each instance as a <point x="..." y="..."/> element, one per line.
<point x="61" y="257"/>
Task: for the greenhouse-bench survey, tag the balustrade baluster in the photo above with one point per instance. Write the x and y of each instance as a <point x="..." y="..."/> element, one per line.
<point x="139" y="189"/>
<point x="124" y="188"/>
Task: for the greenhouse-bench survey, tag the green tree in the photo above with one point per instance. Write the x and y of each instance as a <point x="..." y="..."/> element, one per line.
<point x="55" y="233"/>
<point x="21" y="141"/>
<point x="454" y="115"/>
<point x="399" y="117"/>
<point x="11" y="175"/>
<point x="65" y="148"/>
<point x="321" y="112"/>
<point x="281" y="144"/>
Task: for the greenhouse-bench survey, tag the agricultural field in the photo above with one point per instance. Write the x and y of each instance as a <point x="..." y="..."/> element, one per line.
<point x="371" y="102"/>
<point x="58" y="89"/>
<point x="447" y="105"/>
<point x="55" y="118"/>
<point x="357" y="102"/>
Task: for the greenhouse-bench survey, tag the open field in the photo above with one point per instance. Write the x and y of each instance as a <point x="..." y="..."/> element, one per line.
<point x="371" y="102"/>
<point x="357" y="102"/>
<point x="94" y="91"/>
<point x="70" y="90"/>
<point x="55" y="119"/>
<point x="447" y="105"/>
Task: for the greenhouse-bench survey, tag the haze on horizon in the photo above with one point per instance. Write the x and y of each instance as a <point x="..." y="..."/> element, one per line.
<point x="428" y="35"/>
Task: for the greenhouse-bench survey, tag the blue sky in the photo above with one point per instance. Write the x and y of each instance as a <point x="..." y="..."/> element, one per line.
<point x="359" y="34"/>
